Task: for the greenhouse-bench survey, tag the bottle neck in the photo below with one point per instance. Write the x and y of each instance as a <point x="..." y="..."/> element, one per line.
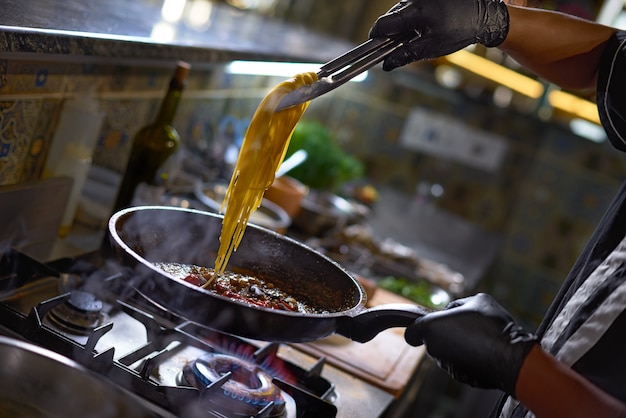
<point x="169" y="105"/>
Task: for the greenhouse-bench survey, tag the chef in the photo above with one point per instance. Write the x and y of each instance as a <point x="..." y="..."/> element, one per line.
<point x="574" y="365"/>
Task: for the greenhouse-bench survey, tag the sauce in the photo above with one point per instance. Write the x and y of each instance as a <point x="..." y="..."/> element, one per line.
<point x="240" y="286"/>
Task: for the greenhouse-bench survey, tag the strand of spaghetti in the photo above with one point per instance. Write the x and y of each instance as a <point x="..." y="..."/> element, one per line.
<point x="263" y="149"/>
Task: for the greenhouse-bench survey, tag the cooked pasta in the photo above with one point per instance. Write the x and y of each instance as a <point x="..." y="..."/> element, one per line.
<point x="263" y="149"/>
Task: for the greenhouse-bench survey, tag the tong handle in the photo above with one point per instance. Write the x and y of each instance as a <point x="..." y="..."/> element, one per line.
<point x="345" y="67"/>
<point x="362" y="57"/>
<point x="352" y="56"/>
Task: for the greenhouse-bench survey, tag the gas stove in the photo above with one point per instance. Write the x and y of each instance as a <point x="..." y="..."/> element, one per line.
<point x="82" y="309"/>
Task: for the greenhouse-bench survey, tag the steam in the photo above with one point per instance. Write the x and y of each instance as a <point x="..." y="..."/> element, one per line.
<point x="169" y="235"/>
<point x="14" y="234"/>
<point x="173" y="236"/>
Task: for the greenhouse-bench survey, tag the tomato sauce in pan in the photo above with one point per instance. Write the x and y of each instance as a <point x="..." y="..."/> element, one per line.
<point x="239" y="286"/>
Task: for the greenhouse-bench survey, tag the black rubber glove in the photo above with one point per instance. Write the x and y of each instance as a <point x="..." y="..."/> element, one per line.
<point x="476" y="341"/>
<point x="446" y="26"/>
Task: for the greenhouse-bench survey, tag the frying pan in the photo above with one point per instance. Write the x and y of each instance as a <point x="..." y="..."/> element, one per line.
<point x="145" y="235"/>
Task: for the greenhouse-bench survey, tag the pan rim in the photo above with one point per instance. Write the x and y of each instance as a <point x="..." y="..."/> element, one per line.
<point x="357" y="308"/>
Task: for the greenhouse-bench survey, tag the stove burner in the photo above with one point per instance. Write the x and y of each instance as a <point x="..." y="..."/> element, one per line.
<point x="80" y="314"/>
<point x="272" y="364"/>
<point x="248" y="390"/>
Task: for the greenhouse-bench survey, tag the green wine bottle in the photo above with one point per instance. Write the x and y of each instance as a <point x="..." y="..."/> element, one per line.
<point x="153" y="144"/>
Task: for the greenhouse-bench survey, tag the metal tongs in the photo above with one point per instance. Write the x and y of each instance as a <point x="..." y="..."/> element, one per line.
<point x="345" y="67"/>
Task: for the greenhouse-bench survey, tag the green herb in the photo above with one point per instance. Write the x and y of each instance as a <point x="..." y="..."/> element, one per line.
<point x="327" y="166"/>
<point x="421" y="292"/>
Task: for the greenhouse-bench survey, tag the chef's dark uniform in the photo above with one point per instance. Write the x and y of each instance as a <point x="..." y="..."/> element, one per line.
<point x="585" y="327"/>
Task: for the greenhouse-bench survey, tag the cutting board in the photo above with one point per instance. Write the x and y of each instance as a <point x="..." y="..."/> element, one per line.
<point x="387" y="361"/>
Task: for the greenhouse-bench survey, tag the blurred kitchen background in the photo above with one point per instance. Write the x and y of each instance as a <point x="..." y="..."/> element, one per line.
<point x="473" y="163"/>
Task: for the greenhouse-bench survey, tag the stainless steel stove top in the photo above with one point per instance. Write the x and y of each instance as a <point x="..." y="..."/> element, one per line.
<point x="82" y="309"/>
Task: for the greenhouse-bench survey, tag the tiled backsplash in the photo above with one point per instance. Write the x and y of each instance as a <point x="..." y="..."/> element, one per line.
<point x="545" y="198"/>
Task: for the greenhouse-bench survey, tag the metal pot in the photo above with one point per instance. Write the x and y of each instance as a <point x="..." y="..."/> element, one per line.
<point x="35" y="382"/>
<point x="322" y="211"/>
<point x="268" y="215"/>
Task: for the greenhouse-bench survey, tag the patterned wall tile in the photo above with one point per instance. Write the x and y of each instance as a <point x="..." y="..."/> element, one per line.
<point x="8" y="69"/>
<point x="588" y="197"/>
<point x="17" y="122"/>
<point x="41" y="140"/>
<point x="145" y="78"/>
<point x="35" y="77"/>
<point x="525" y="291"/>
<point x="123" y="119"/>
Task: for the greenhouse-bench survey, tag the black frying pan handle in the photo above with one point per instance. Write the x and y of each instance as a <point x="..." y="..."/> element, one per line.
<point x="369" y="323"/>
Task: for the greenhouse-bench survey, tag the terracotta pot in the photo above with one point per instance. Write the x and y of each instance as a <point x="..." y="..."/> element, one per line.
<point x="288" y="193"/>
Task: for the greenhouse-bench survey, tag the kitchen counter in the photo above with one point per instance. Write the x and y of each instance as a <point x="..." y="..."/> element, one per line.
<point x="435" y="234"/>
<point x="136" y="30"/>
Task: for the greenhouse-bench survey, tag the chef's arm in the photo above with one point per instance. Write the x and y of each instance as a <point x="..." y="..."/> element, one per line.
<point x="553" y="390"/>
<point x="479" y="343"/>
<point x="558" y="47"/>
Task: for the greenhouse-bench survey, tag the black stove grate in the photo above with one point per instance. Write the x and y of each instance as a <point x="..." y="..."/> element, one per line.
<point x="30" y="290"/>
